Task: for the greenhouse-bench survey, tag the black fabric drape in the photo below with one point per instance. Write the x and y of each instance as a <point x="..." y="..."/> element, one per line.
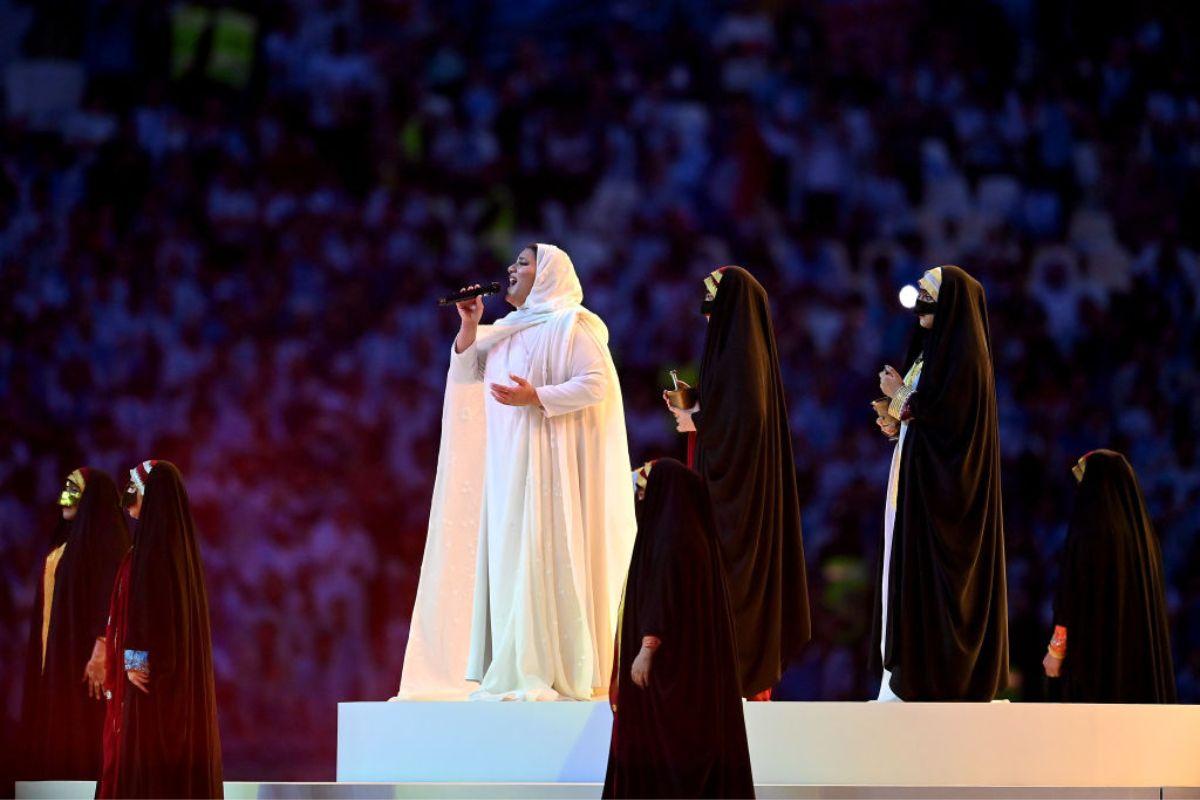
<point x="744" y="454"/>
<point x="61" y="723"/>
<point x="947" y="627"/>
<point x="170" y="743"/>
<point x="683" y="735"/>
<point x="28" y="763"/>
<point x="1110" y="594"/>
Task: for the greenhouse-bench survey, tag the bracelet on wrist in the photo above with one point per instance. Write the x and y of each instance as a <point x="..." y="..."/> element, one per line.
<point x="137" y="661"/>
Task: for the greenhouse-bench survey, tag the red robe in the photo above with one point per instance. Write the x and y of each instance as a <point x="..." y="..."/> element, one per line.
<point x="115" y="681"/>
<point x="164" y="742"/>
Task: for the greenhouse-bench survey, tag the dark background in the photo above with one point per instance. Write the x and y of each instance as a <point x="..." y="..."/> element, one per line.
<point x="222" y="227"/>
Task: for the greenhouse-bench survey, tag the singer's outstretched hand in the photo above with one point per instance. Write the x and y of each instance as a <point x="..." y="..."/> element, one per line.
<point x="522" y="394"/>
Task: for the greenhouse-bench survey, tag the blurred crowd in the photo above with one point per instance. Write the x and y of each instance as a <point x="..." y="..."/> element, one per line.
<point x="223" y="226"/>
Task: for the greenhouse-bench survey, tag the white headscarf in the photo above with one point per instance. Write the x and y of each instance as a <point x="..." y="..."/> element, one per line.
<point x="556" y="289"/>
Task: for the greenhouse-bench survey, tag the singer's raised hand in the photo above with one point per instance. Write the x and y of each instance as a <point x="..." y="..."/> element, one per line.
<point x="470" y="311"/>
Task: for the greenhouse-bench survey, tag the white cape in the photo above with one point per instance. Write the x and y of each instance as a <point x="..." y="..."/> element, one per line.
<point x="435" y="659"/>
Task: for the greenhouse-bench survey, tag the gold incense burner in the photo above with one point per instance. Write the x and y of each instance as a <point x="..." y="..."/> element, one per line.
<point x="682" y="397"/>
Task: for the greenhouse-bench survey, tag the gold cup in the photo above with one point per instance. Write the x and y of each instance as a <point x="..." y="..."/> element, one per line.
<point x="683" y="398"/>
<point x="881" y="408"/>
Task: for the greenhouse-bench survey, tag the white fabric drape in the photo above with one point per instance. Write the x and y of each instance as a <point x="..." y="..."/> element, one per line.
<point x="436" y="656"/>
<point x="889" y="525"/>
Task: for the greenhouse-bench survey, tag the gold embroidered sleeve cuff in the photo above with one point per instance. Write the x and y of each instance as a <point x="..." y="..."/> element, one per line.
<point x="899" y="401"/>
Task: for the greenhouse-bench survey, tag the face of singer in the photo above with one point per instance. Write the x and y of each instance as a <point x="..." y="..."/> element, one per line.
<point x="520" y="278"/>
<point x="135" y="510"/>
<point x="925" y="320"/>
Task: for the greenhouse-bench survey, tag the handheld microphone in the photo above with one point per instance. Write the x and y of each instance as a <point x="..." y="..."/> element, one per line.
<point x="479" y="291"/>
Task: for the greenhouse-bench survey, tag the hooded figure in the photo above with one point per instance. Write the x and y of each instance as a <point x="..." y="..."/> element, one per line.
<point x="63" y="704"/>
<point x="161" y="737"/>
<point x="678" y="729"/>
<point x="941" y="614"/>
<point x="540" y="503"/>
<point x="744" y="453"/>
<point x="1111" y="639"/>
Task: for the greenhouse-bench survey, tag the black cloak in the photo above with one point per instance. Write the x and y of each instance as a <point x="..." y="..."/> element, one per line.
<point x="170" y="745"/>
<point x="947" y="626"/>
<point x="683" y="735"/>
<point x="1110" y="593"/>
<point x="61" y="724"/>
<point x="744" y="454"/>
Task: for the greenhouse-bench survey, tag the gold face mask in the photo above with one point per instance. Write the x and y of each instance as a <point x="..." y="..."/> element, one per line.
<point x="1079" y="469"/>
<point x="712" y="282"/>
<point x="72" y="491"/>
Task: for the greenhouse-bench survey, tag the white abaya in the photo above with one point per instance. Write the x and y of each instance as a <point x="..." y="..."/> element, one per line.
<point x="556" y="521"/>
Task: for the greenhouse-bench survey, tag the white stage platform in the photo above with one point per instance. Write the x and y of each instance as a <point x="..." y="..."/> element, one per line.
<point x="579" y="791"/>
<point x="249" y="790"/>
<point x="832" y="751"/>
<point x="791" y="744"/>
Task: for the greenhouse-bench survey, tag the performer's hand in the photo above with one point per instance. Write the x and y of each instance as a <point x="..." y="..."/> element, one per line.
<point x="890" y="381"/>
<point x="683" y="417"/>
<point x="889" y="426"/>
<point x="523" y="394"/>
<point x="640" y="671"/>
<point x="139" y="679"/>
<point x="470" y="311"/>
<point x="1052" y="665"/>
<point x="93" y="673"/>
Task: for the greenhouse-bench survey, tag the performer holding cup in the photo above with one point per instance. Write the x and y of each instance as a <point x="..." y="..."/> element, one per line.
<point x="743" y="450"/>
<point x="940" y="617"/>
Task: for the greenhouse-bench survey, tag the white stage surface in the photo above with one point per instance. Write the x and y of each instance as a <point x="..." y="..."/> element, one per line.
<point x="791" y="744"/>
<point x="235" y="790"/>
<point x="834" y="751"/>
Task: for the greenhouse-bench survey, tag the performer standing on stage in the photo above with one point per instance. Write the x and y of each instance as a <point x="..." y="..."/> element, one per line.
<point x="160" y="734"/>
<point x="941" y="617"/>
<point x="678" y="729"/>
<point x="744" y="453"/>
<point x="1111" y="641"/>
<point x="557" y="521"/>
<point x="62" y="710"/>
